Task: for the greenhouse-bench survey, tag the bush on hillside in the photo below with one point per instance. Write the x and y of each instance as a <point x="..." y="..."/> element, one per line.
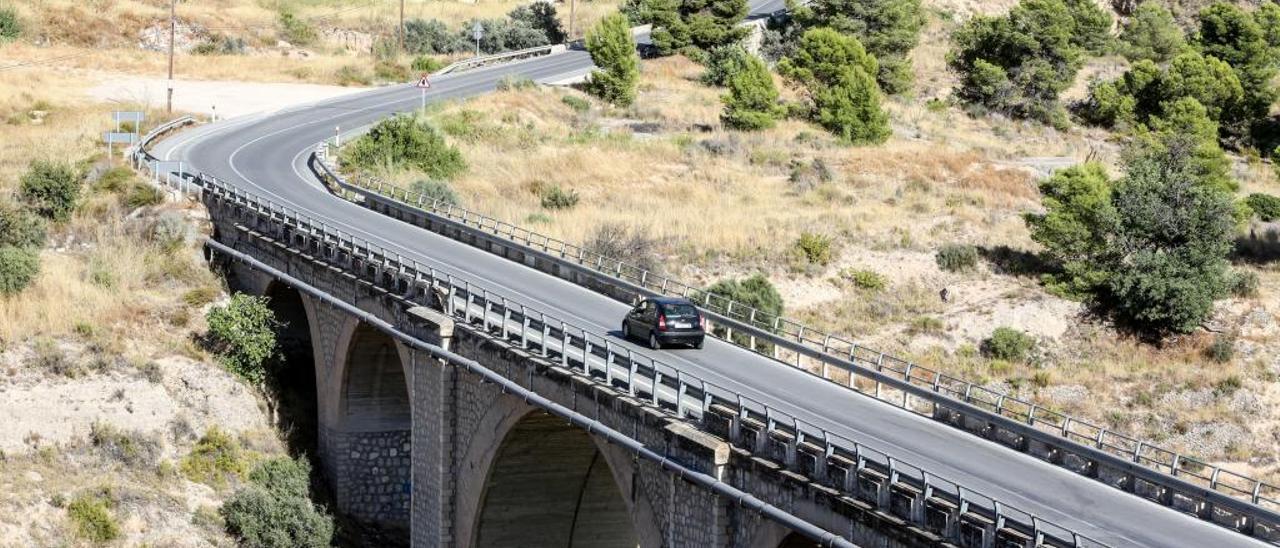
<point x="841" y="94"/>
<point x="957" y="257"/>
<point x="1151" y="34"/>
<point x="558" y="197"/>
<point x="405" y="141"/>
<point x="889" y="29"/>
<point x="18" y="268"/>
<point x="722" y="63"/>
<point x="21" y="228"/>
<point x="692" y="27"/>
<point x="542" y="17"/>
<point x="296" y="31"/>
<point x="1008" y="344"/>
<point x="814" y="249"/>
<point x="755" y="291"/>
<point x="52" y="189"/>
<point x="243" y="335"/>
<point x="613" y="49"/>
<point x="503" y="35"/>
<point x="216" y="459"/>
<point x="1147" y="90"/>
<point x="432" y="37"/>
<point x="275" y="510"/>
<point x="91" y="515"/>
<point x="752" y="101"/>
<point x="1265" y="206"/>
<point x="632" y="246"/>
<point x="426" y="63"/>
<point x="1020" y="62"/>
<point x="1151" y="247"/>
<point x="10" y="25"/>
<point x="436" y="191"/>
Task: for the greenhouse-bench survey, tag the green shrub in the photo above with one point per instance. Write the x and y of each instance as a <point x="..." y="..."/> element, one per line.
<point x="143" y="195"/>
<point x="283" y="477"/>
<point x="200" y="296"/>
<point x="216" y="458"/>
<point x="540" y="16"/>
<point x="1018" y="63"/>
<point x="426" y="63"/>
<point x="722" y="63"/>
<point x="752" y="101"/>
<point x="889" y="29"/>
<point x="555" y="197"/>
<point x="10" y="25"/>
<point x="18" y="268"/>
<point x="814" y="248"/>
<point x="1244" y="283"/>
<point x="131" y="448"/>
<point x="869" y="280"/>
<point x="1008" y="344"/>
<point x="957" y="257"/>
<point x="516" y="83"/>
<point x="925" y="325"/>
<point x="91" y="516"/>
<point x="502" y="35"/>
<point x="433" y="37"/>
<point x="1151" y="33"/>
<point x="115" y="179"/>
<point x="691" y="27"/>
<point x="405" y="141"/>
<point x="294" y="30"/>
<point x="243" y="335"/>
<point x="221" y="45"/>
<point x="755" y="291"/>
<point x="1265" y="206"/>
<point x="841" y="92"/>
<point x="20" y="228"/>
<point x="576" y="103"/>
<point x="613" y="49"/>
<point x="51" y="189"/>
<point x="259" y="519"/>
<point x="390" y="71"/>
<point x="1222" y="349"/>
<point x="434" y="191"/>
<point x="352" y="75"/>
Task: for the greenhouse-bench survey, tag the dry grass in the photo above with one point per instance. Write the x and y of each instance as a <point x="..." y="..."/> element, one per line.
<point x="101" y="268"/>
<point x="104" y="35"/>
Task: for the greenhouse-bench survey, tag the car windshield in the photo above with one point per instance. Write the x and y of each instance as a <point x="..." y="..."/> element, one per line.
<point x="679" y="310"/>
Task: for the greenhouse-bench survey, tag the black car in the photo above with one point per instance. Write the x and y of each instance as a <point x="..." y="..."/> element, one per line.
<point x="667" y="320"/>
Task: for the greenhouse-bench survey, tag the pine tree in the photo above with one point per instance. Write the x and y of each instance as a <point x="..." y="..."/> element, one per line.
<point x="752" y="102"/>
<point x="614" y="51"/>
<point x="840" y="86"/>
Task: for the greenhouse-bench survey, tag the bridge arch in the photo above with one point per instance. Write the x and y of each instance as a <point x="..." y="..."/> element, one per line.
<point x="366" y="422"/>
<point x="531" y="479"/>
<point x="295" y="383"/>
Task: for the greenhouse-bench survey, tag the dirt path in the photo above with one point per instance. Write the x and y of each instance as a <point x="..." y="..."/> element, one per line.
<point x="228" y="98"/>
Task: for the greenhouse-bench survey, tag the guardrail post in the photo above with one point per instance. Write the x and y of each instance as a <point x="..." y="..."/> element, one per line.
<point x="608" y="363"/>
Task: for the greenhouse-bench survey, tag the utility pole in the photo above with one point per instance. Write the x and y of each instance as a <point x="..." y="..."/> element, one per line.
<point x="573" y="7"/>
<point x="173" y="28"/>
<point x="401" y="25"/>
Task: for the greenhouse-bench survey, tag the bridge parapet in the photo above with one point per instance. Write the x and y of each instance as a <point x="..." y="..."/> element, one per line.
<point x="844" y="477"/>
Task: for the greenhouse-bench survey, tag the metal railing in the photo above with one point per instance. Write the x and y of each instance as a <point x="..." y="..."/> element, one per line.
<point x="860" y="471"/>
<point x="892" y="379"/>
<point x="484" y="60"/>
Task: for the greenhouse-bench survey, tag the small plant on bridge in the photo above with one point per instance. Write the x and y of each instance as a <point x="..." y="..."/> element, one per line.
<point x="1006" y="343"/>
<point x="275" y="511"/>
<point x="243" y="335"/>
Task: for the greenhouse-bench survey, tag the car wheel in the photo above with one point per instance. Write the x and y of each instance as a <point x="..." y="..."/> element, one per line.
<point x="626" y="330"/>
<point x="698" y="345"/>
<point x="653" y="342"/>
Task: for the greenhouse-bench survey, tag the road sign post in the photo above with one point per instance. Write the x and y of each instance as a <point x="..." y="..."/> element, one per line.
<point x="423" y="84"/>
<point x="477" y="31"/>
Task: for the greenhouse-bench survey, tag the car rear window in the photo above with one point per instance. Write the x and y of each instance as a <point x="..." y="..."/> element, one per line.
<point x="679" y="310"/>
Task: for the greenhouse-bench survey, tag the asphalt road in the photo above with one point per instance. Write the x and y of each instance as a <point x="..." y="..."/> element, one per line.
<point x="266" y="155"/>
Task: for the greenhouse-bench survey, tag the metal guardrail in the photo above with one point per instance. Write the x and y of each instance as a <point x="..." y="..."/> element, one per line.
<point x="483" y="60"/>
<point x="1186" y="483"/>
<point x="859" y="471"/>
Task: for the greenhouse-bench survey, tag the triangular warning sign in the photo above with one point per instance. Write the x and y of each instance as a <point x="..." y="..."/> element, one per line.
<point x="423" y="83"/>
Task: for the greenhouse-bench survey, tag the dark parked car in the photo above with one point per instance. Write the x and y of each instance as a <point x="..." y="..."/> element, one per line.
<point x="667" y="320"/>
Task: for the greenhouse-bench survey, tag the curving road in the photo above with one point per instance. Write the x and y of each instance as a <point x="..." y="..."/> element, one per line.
<point x="266" y="155"/>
